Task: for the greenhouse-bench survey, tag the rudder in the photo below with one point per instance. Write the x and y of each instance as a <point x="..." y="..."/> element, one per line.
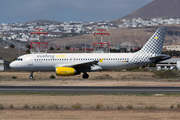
<point x="155" y="43"/>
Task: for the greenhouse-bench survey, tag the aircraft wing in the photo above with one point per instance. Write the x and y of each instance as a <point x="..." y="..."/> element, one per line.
<point x="82" y="65"/>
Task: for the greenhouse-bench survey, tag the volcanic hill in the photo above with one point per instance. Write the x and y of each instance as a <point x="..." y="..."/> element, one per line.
<point x="157" y="9"/>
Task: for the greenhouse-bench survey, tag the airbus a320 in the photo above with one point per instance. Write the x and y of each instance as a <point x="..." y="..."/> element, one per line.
<point x="69" y="64"/>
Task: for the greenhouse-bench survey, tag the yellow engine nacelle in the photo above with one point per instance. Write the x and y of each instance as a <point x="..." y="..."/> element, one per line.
<point x="66" y="71"/>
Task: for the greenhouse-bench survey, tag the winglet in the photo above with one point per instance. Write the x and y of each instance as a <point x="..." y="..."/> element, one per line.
<point x="101" y="60"/>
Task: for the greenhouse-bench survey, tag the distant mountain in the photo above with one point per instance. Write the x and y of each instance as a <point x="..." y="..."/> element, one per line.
<point x="157" y="9"/>
<point x="41" y="21"/>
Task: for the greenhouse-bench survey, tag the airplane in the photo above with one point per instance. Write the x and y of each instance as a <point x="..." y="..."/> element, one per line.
<point x="69" y="64"/>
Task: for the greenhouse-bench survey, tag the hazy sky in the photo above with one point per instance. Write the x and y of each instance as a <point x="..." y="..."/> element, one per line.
<point x="12" y="11"/>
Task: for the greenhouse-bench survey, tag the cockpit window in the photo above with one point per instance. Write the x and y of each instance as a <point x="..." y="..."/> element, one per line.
<point x="19" y="59"/>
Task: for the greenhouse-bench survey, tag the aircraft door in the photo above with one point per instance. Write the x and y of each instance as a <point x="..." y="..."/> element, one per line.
<point x="30" y="61"/>
<point x="72" y="60"/>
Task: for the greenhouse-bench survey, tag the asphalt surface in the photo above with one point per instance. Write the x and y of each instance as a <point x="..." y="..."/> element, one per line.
<point x="88" y="89"/>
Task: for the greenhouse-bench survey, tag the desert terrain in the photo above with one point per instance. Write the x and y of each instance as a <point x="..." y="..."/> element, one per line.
<point x="96" y="79"/>
<point x="88" y="115"/>
<point x="92" y="106"/>
<point x="143" y="107"/>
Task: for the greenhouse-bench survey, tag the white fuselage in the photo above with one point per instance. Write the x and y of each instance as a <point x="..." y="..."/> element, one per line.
<point x="48" y="62"/>
<point x="66" y="64"/>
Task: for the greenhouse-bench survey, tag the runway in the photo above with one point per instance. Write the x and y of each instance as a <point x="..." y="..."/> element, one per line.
<point x="88" y="89"/>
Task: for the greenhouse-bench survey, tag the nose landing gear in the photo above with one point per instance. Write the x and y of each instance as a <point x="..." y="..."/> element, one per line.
<point x="31" y="76"/>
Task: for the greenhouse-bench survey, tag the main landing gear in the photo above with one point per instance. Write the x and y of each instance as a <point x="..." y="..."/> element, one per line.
<point x="85" y="76"/>
<point x="31" y="76"/>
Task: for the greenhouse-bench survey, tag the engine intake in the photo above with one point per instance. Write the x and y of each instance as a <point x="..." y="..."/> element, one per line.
<point x="66" y="71"/>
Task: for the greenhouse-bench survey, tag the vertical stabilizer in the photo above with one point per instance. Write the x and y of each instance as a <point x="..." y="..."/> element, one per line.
<point x="151" y="49"/>
<point x="155" y="43"/>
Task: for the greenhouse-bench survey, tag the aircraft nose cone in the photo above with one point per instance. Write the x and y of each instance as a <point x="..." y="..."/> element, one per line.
<point x="12" y="65"/>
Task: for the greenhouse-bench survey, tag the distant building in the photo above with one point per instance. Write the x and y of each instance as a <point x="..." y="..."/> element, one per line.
<point x="172" y="47"/>
<point x="72" y="49"/>
<point x="4" y="65"/>
<point x="169" y="64"/>
<point x="6" y="47"/>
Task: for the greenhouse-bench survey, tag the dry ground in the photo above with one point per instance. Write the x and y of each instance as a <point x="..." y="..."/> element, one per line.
<point x="110" y="104"/>
<point x="88" y="115"/>
<point x="95" y="79"/>
<point x="135" y="36"/>
<point x="88" y="101"/>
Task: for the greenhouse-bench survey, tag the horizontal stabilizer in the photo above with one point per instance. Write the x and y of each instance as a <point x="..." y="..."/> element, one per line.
<point x="160" y="57"/>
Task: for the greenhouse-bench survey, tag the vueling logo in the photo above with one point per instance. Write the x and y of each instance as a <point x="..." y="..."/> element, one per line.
<point x="60" y="56"/>
<point x="101" y="60"/>
<point x="156" y="37"/>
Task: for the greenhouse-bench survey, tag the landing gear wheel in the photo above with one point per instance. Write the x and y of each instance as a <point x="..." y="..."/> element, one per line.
<point x="31" y="76"/>
<point x="85" y="76"/>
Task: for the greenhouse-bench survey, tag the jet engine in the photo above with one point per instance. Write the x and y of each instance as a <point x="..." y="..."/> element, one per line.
<point x="66" y="71"/>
